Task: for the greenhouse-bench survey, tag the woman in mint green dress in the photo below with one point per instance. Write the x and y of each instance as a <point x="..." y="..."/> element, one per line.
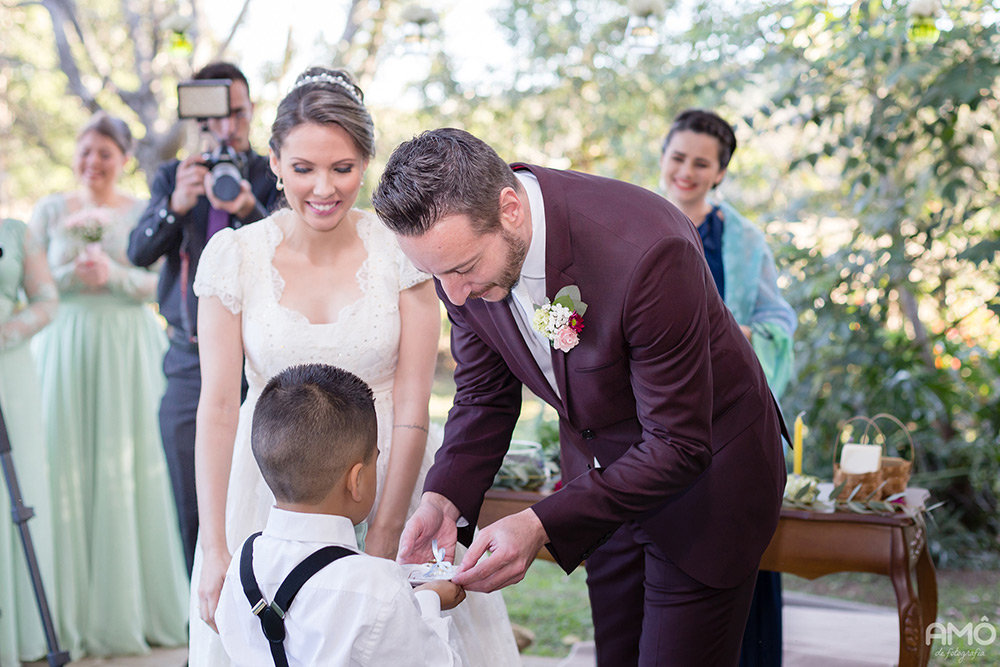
<point x="28" y="300"/>
<point x="120" y="573"/>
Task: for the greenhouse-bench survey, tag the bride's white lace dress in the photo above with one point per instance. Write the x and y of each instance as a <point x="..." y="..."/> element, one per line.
<point x="237" y="267"/>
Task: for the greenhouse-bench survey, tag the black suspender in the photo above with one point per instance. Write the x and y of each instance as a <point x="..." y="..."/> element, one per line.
<point x="272" y="615"/>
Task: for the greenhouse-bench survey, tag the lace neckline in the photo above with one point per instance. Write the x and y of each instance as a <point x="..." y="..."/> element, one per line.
<point x="73" y="203"/>
<point x="275" y="236"/>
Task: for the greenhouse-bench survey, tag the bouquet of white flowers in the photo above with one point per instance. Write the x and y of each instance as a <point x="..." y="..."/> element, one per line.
<point x="90" y="224"/>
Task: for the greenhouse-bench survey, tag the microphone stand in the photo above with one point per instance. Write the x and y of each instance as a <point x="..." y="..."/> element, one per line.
<point x="21" y="514"/>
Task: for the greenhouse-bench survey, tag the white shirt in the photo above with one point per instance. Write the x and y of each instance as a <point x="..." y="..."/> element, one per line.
<point x="530" y="291"/>
<point x="359" y="610"/>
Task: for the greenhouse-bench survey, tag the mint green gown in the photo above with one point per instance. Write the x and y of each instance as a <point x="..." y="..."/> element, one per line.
<point x="120" y="572"/>
<point x="26" y="305"/>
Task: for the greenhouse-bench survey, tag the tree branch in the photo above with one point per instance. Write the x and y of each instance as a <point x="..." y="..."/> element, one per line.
<point x="67" y="62"/>
<point x="85" y="43"/>
<point x="232" y="31"/>
<point x="367" y="70"/>
<point x="286" y="61"/>
<point x="351" y="25"/>
<point x="132" y="21"/>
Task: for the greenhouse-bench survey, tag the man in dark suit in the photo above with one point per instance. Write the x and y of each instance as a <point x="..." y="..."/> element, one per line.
<point x="672" y="464"/>
<point x="182" y="215"/>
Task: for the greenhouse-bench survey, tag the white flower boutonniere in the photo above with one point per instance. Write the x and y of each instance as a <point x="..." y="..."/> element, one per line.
<point x="561" y="321"/>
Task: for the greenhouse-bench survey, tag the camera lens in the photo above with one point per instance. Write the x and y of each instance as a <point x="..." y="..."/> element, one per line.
<point x="226" y="179"/>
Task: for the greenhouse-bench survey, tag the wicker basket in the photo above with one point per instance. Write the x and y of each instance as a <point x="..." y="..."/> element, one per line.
<point x="894" y="473"/>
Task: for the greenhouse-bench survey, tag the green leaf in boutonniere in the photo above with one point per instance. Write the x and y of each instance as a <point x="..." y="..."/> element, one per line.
<point x="569" y="297"/>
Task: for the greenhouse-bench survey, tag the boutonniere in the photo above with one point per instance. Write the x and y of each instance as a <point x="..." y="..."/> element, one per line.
<point x="561" y="321"/>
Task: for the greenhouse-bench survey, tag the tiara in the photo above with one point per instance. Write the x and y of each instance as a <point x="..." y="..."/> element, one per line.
<point x="324" y="77"/>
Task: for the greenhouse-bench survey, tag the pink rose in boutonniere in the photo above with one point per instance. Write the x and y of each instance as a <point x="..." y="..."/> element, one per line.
<point x="566" y="339"/>
<point x="561" y="321"/>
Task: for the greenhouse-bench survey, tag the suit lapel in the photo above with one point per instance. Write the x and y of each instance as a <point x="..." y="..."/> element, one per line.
<point x="555" y="281"/>
<point x="558" y="257"/>
<point x="506" y="327"/>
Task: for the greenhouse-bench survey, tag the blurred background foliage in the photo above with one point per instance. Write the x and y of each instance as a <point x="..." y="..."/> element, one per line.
<point x="870" y="159"/>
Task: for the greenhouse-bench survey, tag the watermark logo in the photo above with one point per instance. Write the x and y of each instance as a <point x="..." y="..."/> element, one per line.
<point x="973" y="636"/>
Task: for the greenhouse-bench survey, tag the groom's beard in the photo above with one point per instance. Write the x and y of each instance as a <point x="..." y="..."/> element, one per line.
<point x="510" y="275"/>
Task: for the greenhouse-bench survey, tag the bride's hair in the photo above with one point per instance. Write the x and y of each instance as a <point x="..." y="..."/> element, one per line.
<point x="323" y="96"/>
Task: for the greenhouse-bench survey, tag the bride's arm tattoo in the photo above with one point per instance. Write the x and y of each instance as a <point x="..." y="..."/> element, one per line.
<point x="416" y="426"/>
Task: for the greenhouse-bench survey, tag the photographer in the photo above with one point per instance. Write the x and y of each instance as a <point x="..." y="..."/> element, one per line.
<point x="182" y="215"/>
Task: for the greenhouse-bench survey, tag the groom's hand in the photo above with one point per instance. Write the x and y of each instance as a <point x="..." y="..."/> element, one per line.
<point x="513" y="542"/>
<point x="434" y="519"/>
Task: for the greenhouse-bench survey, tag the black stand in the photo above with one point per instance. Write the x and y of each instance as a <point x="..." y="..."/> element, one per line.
<point x="21" y="513"/>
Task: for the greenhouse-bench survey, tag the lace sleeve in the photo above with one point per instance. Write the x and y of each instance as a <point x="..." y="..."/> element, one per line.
<point x="219" y="271"/>
<point x="43" y="297"/>
<point x="138" y="283"/>
<point x="409" y="275"/>
<point x="44" y="219"/>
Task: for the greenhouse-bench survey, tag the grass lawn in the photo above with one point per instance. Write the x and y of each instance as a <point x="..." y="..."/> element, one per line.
<point x="552" y="605"/>
<point x="555" y="606"/>
<point x="963" y="597"/>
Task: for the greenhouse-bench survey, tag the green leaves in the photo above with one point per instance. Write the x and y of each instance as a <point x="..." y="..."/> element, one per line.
<point x="569" y="297"/>
<point x="911" y="133"/>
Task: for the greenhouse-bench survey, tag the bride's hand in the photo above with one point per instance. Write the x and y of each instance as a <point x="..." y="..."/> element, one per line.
<point x="382" y="542"/>
<point x="213" y="573"/>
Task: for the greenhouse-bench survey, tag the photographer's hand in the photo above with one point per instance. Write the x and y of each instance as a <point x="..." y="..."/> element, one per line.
<point x="241" y="207"/>
<point x="189" y="184"/>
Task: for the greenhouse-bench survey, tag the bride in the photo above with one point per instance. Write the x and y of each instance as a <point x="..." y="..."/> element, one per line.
<point x="318" y="281"/>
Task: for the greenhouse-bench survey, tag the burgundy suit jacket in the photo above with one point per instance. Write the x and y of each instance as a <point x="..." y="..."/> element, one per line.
<point x="663" y="389"/>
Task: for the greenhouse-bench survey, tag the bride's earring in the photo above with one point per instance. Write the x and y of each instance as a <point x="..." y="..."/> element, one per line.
<point x="279" y="185"/>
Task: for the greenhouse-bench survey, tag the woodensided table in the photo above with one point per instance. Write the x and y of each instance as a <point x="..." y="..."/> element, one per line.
<point x="813" y="544"/>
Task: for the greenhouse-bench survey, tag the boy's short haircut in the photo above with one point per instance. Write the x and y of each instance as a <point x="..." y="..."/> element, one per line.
<point x="310" y="425"/>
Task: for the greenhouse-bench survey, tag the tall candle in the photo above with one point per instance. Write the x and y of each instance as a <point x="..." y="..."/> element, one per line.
<point x="797" y="445"/>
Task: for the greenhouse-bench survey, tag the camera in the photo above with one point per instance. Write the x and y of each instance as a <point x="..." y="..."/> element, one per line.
<point x="200" y="100"/>
<point x="225" y="166"/>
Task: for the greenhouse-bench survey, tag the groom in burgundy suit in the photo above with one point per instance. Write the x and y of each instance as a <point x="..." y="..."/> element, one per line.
<point x="672" y="464"/>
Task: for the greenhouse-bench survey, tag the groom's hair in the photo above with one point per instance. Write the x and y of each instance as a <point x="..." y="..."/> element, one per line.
<point x="439" y="173"/>
<point x="310" y="425"/>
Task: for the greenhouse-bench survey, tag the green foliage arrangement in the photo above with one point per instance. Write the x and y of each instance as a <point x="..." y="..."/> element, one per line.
<point x="531" y="468"/>
<point x="899" y="315"/>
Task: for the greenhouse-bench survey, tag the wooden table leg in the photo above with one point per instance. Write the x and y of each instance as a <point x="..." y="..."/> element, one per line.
<point x="927" y="590"/>
<point x="907" y="601"/>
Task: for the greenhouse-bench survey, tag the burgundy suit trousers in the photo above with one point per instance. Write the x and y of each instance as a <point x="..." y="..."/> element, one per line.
<point x="648" y="612"/>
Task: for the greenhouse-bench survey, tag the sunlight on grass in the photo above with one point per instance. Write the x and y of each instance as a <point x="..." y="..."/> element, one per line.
<point x="552" y="605"/>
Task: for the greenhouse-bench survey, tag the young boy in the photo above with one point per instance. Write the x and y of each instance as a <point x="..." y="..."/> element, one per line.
<point x="314" y="439"/>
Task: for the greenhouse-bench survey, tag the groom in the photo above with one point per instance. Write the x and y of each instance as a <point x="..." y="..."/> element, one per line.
<point x="671" y="457"/>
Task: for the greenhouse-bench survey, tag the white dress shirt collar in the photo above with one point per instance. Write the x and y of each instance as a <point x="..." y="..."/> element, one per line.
<point x="534" y="261"/>
<point x="530" y="291"/>
<point x="325" y="528"/>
